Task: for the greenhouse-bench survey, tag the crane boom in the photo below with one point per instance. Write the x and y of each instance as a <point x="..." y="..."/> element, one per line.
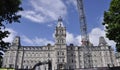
<point x="83" y="25"/>
<point x="85" y="40"/>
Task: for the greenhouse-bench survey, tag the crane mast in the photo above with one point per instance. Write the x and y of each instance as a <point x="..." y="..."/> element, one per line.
<point x="85" y="39"/>
<point x="83" y="25"/>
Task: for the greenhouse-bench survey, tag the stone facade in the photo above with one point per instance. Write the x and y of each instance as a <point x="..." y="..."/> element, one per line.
<point x="61" y="55"/>
<point x="118" y="58"/>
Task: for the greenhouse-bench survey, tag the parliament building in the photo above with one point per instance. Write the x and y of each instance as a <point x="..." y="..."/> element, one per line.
<point x="61" y="55"/>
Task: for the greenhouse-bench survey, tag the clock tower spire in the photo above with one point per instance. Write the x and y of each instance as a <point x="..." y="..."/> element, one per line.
<point x="60" y="32"/>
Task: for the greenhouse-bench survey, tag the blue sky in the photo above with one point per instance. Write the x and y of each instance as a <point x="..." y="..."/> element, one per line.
<point x="39" y="19"/>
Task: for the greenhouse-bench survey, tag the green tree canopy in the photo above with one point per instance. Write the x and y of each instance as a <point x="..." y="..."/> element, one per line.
<point x="8" y="14"/>
<point x="112" y="22"/>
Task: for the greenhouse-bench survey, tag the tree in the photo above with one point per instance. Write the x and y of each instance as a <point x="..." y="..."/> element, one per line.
<point x="112" y="22"/>
<point x="8" y="15"/>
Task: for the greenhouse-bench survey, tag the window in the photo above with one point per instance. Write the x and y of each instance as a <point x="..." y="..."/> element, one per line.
<point x="95" y="60"/>
<point x="63" y="53"/>
<point x="60" y="31"/>
<point x="24" y="61"/>
<point x="48" y="48"/>
<point x="101" y="60"/>
<point x="31" y="61"/>
<point x="69" y="67"/>
<point x="5" y="66"/>
<point x="106" y="53"/>
<point x="26" y="67"/>
<point x="30" y="67"/>
<point x="11" y="65"/>
<point x="45" y="67"/>
<point x="80" y="61"/>
<point x="71" y="48"/>
<point x="48" y="55"/>
<point x="63" y="59"/>
<point x="58" y="53"/>
<point x="58" y="60"/>
<point x="79" y="55"/>
<point x="72" y="60"/>
<point x="58" y="41"/>
<point x="71" y="54"/>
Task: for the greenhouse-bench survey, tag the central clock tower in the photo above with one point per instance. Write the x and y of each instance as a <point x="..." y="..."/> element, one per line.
<point x="60" y="45"/>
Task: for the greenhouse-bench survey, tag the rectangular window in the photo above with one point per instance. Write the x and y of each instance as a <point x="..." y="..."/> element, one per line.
<point x="63" y="59"/>
<point x="48" y="55"/>
<point x="63" y="53"/>
<point x="11" y="65"/>
<point x="58" y="60"/>
<point x="72" y="60"/>
<point x="58" y="53"/>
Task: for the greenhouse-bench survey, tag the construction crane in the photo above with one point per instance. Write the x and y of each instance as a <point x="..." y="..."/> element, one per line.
<point x="85" y="38"/>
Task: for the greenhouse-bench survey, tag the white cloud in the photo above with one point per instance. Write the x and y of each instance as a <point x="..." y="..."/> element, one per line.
<point x="110" y="43"/>
<point x="93" y="36"/>
<point x="32" y="15"/>
<point x="96" y="33"/>
<point x="11" y="35"/>
<point x="78" y="40"/>
<point x="27" y="40"/>
<point x="50" y="25"/>
<point x="100" y="19"/>
<point x="45" y="10"/>
<point x="70" y="38"/>
<point x="72" y="2"/>
<point x="42" y="41"/>
<point x="36" y="41"/>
